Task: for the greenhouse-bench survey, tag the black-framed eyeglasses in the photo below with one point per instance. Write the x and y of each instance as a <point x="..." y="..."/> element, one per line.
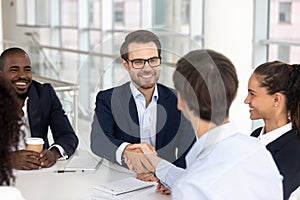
<point x="140" y="63"/>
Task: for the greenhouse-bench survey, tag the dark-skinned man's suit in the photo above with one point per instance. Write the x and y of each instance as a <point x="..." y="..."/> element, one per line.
<point x="45" y="110"/>
<point x="116" y="121"/>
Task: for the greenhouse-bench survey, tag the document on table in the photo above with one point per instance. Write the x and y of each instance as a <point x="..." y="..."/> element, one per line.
<point x="124" y="186"/>
<point x="82" y="161"/>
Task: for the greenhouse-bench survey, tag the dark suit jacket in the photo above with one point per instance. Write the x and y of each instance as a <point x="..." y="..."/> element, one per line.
<point x="286" y="154"/>
<point x="116" y="121"/>
<point x="44" y="110"/>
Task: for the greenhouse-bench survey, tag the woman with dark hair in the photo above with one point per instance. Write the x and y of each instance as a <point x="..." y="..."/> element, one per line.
<point x="274" y="96"/>
<point x="9" y="138"/>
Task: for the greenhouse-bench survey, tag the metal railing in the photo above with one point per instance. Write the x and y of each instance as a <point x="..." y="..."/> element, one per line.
<point x="280" y="42"/>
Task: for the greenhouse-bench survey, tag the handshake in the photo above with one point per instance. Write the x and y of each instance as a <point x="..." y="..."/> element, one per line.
<point x="141" y="158"/>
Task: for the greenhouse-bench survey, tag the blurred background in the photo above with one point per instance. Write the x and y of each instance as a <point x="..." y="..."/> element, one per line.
<point x="74" y="44"/>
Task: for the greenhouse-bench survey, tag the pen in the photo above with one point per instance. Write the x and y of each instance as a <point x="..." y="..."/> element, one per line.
<point x="125" y="192"/>
<point x="65" y="171"/>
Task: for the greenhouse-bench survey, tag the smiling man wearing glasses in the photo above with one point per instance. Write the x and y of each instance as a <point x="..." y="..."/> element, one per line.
<point x="140" y="111"/>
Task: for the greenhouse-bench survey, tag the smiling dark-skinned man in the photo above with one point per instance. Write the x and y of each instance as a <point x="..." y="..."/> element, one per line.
<point x="40" y="109"/>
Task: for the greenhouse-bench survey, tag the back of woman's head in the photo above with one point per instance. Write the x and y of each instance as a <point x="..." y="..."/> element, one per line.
<point x="208" y="82"/>
<point x="9" y="131"/>
<point x="284" y="78"/>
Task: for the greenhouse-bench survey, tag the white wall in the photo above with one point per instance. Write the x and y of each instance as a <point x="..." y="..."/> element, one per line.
<point x="11" y="32"/>
<point x="229" y="30"/>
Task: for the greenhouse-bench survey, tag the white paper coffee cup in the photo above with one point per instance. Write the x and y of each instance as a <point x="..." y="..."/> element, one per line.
<point x="35" y="144"/>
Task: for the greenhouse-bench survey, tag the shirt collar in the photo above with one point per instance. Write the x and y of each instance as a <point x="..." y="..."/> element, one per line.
<point x="269" y="137"/>
<point x="25" y="126"/>
<point x="24" y="108"/>
<point x="206" y="143"/>
<point x="137" y="94"/>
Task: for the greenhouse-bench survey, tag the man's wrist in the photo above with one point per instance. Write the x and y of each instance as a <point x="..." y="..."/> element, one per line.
<point x="120" y="152"/>
<point x="154" y="160"/>
<point x="61" y="151"/>
<point x="56" y="152"/>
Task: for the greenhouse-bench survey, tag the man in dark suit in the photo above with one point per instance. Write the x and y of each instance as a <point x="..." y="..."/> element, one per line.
<point x="141" y="110"/>
<point x="40" y="109"/>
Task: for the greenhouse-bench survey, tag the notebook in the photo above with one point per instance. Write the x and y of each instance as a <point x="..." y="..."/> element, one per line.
<point x="124" y="186"/>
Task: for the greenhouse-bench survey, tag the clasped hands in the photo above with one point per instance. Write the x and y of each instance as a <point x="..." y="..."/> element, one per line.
<point x="141" y="158"/>
<point x="30" y="160"/>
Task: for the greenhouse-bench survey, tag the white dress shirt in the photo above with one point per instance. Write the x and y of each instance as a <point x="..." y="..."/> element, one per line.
<point x="10" y="193"/>
<point x="224" y="164"/>
<point x="26" y="130"/>
<point x="147" y="119"/>
<point x="267" y="138"/>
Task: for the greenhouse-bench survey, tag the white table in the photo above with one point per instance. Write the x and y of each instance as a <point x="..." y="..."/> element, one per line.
<point x="295" y="195"/>
<point x="75" y="185"/>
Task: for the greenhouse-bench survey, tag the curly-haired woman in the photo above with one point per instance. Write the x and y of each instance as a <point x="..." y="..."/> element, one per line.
<point x="9" y="138"/>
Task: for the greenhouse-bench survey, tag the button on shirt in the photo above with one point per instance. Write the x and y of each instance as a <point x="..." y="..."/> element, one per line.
<point x="147" y="119"/>
<point x="147" y="115"/>
<point x="224" y="164"/>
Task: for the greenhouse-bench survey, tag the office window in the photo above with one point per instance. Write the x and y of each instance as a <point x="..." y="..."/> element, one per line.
<point x="69" y="13"/>
<point x="127" y="14"/>
<point x="159" y="14"/>
<point x="119" y="12"/>
<point x="42" y="13"/>
<point x="69" y="38"/>
<point x="284" y="35"/>
<point x="21" y="12"/>
<point x="95" y="14"/>
<point x="185" y="12"/>
<point x="284" y="53"/>
<point x="285" y="12"/>
<point x="33" y="13"/>
<point x="174" y="15"/>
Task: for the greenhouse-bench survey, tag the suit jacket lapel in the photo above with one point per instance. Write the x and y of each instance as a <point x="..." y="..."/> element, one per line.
<point x="163" y="108"/>
<point x="125" y="112"/>
<point x="256" y="132"/>
<point x="34" y="114"/>
<point x="275" y="146"/>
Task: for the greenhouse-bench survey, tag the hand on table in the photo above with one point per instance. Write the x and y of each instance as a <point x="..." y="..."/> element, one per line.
<point x="136" y="160"/>
<point x="30" y="160"/>
<point x="48" y="157"/>
<point x="147" y="177"/>
<point x="162" y="189"/>
<point x="25" y="160"/>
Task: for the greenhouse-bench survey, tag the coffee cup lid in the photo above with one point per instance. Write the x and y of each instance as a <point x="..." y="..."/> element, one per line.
<point x="34" y="140"/>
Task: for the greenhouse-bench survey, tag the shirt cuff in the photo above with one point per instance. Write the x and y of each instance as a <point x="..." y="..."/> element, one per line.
<point x="62" y="152"/>
<point x="167" y="173"/>
<point x="119" y="152"/>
